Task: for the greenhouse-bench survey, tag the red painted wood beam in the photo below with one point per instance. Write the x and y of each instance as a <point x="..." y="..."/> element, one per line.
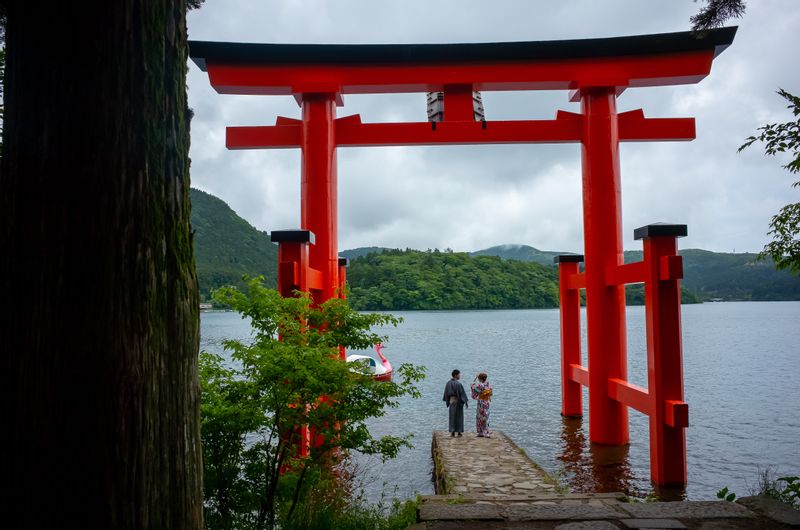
<point x="576" y="281"/>
<point x="634" y="127"/>
<point x="465" y="132"/>
<point x="623" y="274"/>
<point x="624" y="71"/>
<point x="264" y="137"/>
<point x="458" y="105"/>
<point x="631" y="395"/>
<point x="579" y="374"/>
<point x="314" y="279"/>
<point x="676" y="413"/>
<point x="670" y="268"/>
<point x="351" y="132"/>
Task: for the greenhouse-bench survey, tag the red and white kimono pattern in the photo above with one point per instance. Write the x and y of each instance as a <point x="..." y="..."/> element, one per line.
<point x="482" y="410"/>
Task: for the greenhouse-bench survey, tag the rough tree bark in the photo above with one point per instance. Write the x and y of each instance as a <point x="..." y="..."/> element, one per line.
<point x="99" y="322"/>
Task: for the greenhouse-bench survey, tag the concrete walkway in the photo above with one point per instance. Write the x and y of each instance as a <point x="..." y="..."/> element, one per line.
<point x="492" y="484"/>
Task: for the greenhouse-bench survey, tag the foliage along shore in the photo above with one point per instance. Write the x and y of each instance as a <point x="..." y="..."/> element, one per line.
<point x="503" y="277"/>
<point x="435" y="280"/>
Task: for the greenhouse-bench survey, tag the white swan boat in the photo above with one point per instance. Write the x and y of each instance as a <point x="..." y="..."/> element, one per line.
<point x="382" y="371"/>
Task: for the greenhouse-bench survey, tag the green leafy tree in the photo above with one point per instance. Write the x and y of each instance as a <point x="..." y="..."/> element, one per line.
<point x="252" y="405"/>
<point x="784" y="249"/>
<point x="410" y="279"/>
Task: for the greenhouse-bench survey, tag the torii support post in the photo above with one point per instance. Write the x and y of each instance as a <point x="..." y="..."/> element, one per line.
<point x="605" y="304"/>
<point x="669" y="416"/>
<point x="660" y="271"/>
<point x="570" y="281"/>
<point x="296" y="274"/>
<point x="318" y="189"/>
<point x="343" y="264"/>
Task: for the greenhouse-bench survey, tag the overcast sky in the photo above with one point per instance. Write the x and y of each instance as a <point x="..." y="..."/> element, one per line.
<point x="472" y="197"/>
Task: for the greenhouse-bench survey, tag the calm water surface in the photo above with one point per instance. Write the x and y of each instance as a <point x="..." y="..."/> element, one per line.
<point x="742" y="384"/>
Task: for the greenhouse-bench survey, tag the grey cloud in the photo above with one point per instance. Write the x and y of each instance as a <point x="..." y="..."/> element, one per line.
<point x="474" y="197"/>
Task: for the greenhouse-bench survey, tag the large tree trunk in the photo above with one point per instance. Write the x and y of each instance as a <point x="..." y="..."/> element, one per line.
<point x="99" y="319"/>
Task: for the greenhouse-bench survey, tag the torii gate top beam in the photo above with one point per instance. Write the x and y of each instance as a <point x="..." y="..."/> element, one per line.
<point x="635" y="61"/>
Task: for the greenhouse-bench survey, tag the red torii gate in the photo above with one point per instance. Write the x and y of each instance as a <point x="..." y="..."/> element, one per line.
<point x="595" y="71"/>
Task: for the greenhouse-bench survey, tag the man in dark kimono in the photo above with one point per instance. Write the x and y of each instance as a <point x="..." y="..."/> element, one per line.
<point x="456" y="399"/>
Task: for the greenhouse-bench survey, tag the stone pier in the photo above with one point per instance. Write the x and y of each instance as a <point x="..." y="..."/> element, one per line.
<point x="469" y="465"/>
<point x="490" y="483"/>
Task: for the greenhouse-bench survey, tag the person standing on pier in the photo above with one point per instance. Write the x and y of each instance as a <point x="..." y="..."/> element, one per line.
<point x="456" y="399"/>
<point x="482" y="392"/>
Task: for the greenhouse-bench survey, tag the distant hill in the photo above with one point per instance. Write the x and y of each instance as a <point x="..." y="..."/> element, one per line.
<point x="359" y="252"/>
<point x="519" y="252"/>
<point x="728" y="276"/>
<point x="226" y="246"/>
<point x="709" y="275"/>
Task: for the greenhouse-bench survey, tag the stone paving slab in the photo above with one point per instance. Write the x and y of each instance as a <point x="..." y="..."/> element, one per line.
<point x="661" y="524"/>
<point x="474" y="465"/>
<point x="588" y="525"/>
<point x="439" y="511"/>
<point x="687" y="510"/>
<point x="560" y="512"/>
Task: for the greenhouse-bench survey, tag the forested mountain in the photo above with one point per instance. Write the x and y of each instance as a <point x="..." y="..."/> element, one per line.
<point x="505" y="276"/>
<point x="713" y="275"/>
<point x="709" y="275"/>
<point x="227" y="247"/>
<point x="410" y="279"/>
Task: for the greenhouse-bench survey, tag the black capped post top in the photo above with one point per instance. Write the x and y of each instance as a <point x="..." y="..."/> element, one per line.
<point x="344" y="262"/>
<point x="292" y="236"/>
<point x="568" y="258"/>
<point x="660" y="230"/>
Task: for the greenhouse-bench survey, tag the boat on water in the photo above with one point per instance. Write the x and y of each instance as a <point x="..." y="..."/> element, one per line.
<point x="381" y="370"/>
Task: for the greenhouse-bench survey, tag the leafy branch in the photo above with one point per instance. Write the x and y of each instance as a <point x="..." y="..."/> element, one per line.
<point x="258" y="465"/>
<point x="784" y="249"/>
<point x="716" y="12"/>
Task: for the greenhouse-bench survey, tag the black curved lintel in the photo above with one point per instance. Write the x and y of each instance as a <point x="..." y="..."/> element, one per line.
<point x="405" y="54"/>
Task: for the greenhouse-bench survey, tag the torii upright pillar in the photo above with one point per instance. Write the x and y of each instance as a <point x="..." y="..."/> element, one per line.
<point x="605" y="304"/>
<point x="318" y="202"/>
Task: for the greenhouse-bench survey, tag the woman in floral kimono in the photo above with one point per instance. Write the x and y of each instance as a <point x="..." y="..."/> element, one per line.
<point x="482" y="391"/>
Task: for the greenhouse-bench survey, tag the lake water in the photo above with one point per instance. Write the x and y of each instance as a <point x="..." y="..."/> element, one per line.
<point x="742" y="383"/>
